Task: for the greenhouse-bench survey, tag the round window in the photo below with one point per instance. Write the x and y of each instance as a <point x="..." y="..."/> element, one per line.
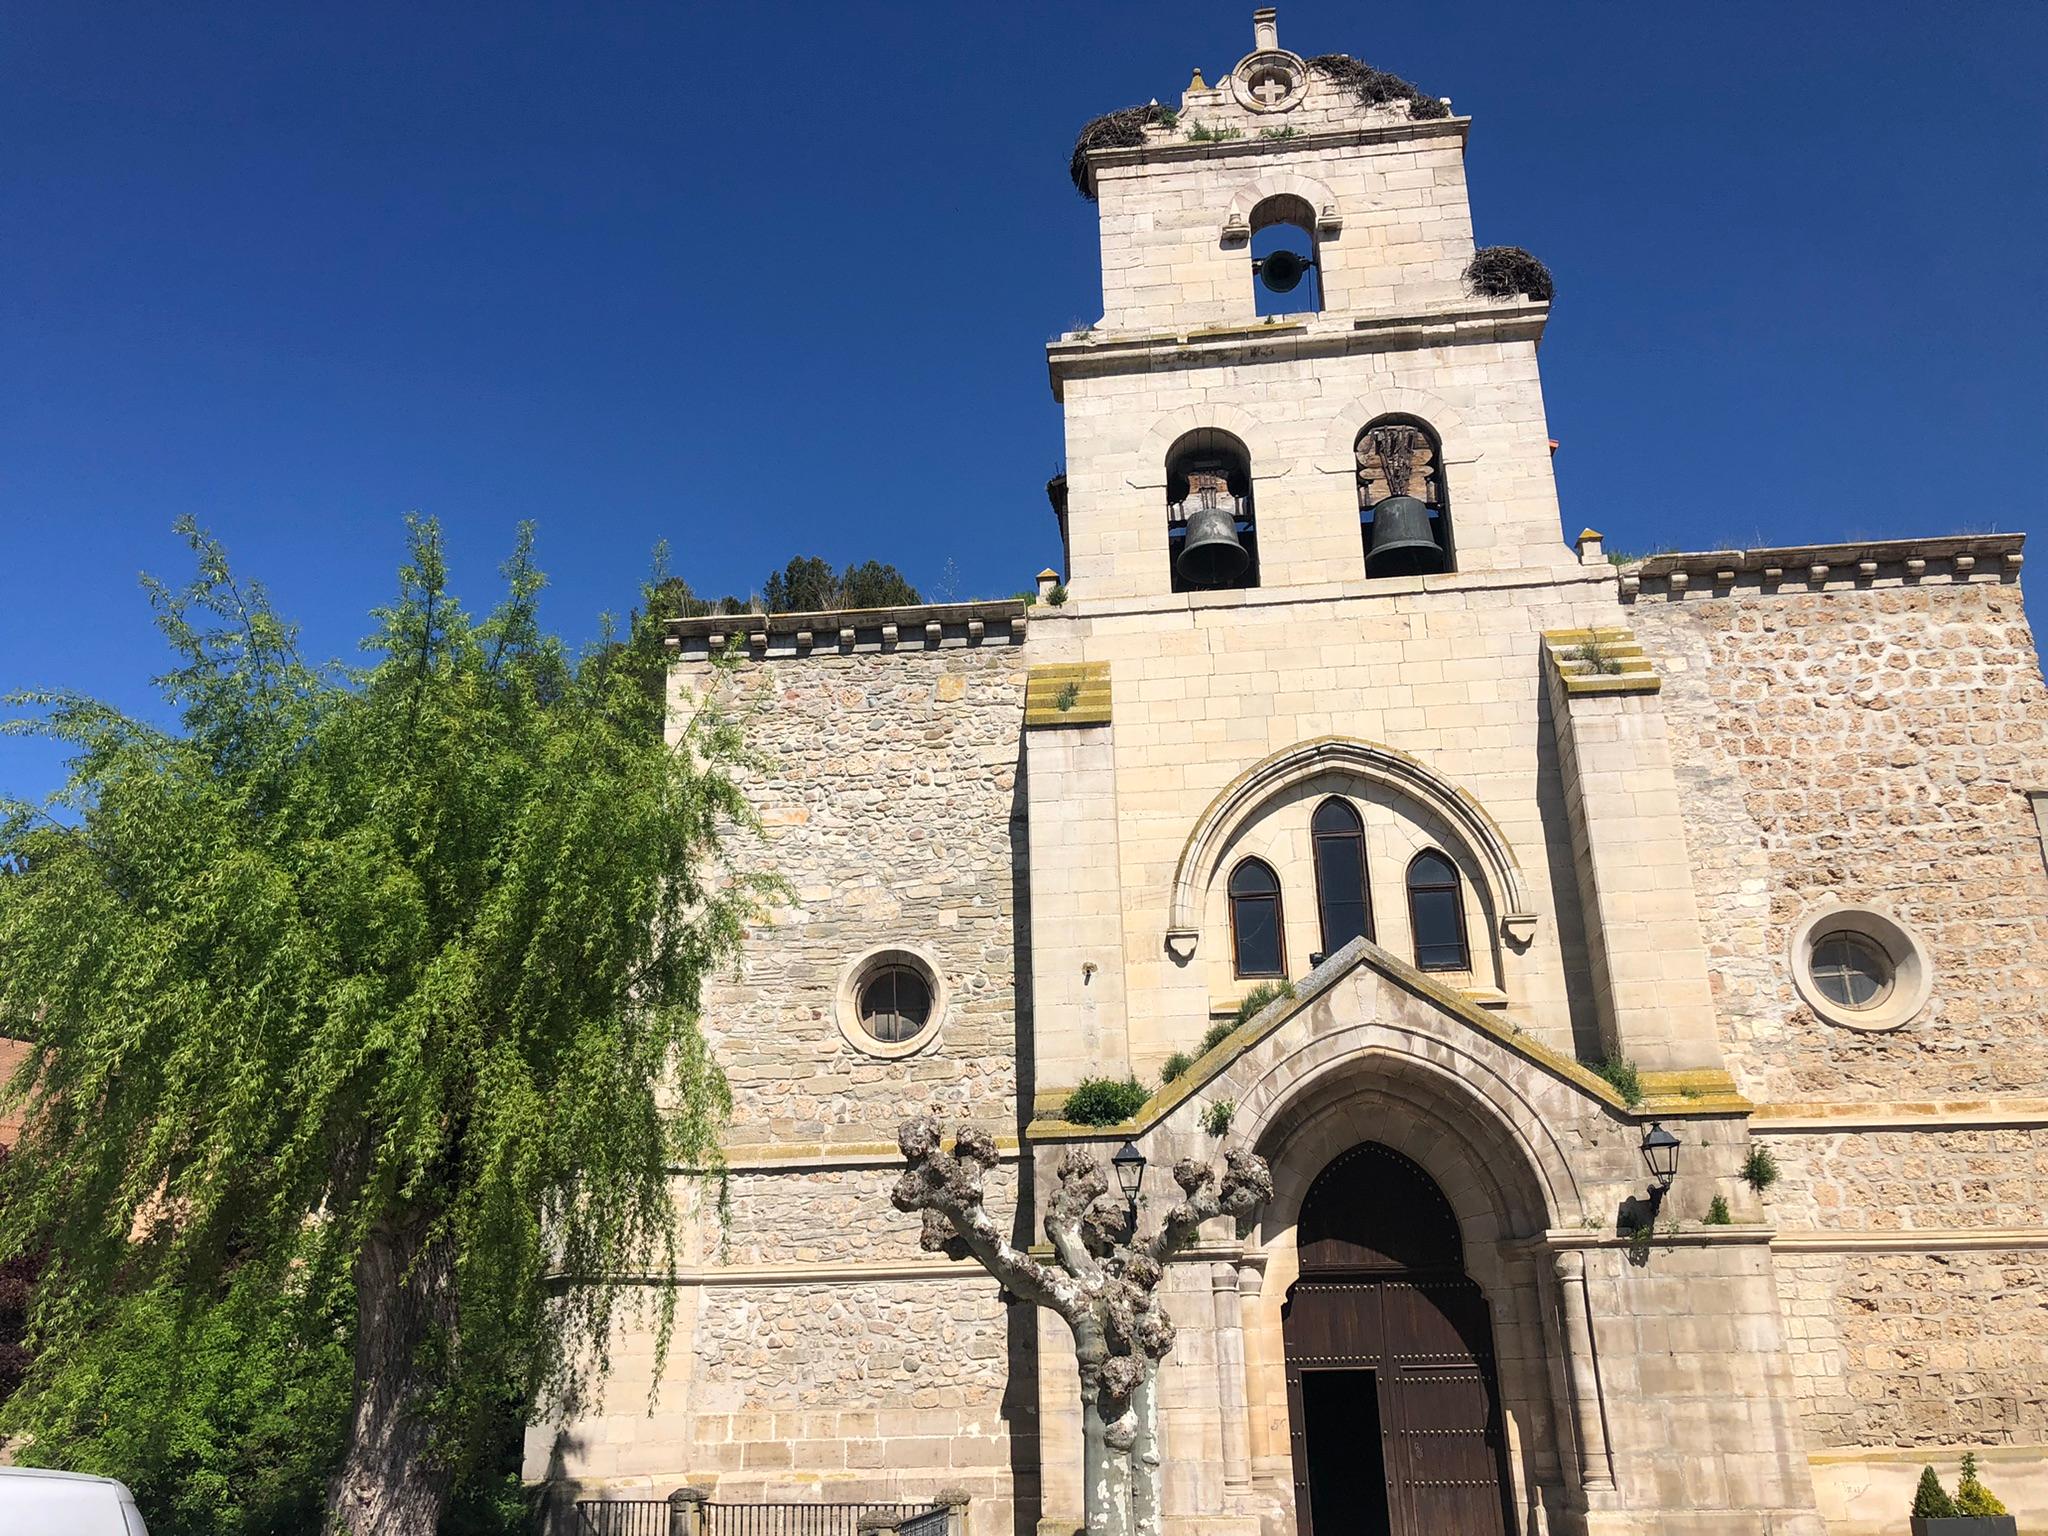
<point x="895" y="1004"/>
<point x="1850" y="971"/>
<point x="1859" y="967"/>
<point x="891" y="1002"/>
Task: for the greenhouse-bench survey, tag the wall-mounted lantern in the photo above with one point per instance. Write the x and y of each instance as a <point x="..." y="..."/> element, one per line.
<point x="1660" y="1153"/>
<point x="1129" y="1164"/>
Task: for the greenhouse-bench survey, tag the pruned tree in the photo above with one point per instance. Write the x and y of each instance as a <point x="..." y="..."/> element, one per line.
<point x="1104" y="1284"/>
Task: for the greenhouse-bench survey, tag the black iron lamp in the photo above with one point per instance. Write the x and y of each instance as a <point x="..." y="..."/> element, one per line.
<point x="1129" y="1164"/>
<point x="1660" y="1152"/>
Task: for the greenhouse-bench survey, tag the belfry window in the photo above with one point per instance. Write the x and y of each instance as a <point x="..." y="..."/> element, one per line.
<point x="1436" y="913"/>
<point x="1257" y="938"/>
<point x="1212" y="535"/>
<point x="1342" y="900"/>
<point x="1402" y="504"/>
<point x="1287" y="273"/>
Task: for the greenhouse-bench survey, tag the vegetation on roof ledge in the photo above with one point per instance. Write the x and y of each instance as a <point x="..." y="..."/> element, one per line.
<point x="1375" y="87"/>
<point x="1507" y="272"/>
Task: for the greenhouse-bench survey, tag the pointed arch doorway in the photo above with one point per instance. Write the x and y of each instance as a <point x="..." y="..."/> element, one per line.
<point x="1392" y="1399"/>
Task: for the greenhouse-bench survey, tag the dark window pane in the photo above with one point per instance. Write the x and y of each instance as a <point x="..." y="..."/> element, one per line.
<point x="1437" y="914"/>
<point x="1850" y="972"/>
<point x="1334" y="818"/>
<point x="895" y="1004"/>
<point x="1340" y="885"/>
<point x="1253" y="878"/>
<point x="1257" y="921"/>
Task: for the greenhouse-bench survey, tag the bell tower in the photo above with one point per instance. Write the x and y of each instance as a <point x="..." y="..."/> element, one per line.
<point x="1296" y="384"/>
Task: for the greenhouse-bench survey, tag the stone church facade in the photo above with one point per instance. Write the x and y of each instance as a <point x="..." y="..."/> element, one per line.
<point x="1322" y="695"/>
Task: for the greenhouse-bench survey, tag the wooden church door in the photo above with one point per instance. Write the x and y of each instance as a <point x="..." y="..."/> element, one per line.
<point x="1392" y="1400"/>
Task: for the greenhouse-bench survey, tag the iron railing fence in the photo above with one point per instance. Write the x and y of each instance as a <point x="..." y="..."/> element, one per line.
<point x="653" y="1517"/>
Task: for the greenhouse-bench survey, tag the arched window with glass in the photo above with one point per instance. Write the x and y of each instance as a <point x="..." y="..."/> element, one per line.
<point x="1343" y="901"/>
<point x="1258" y="943"/>
<point x="1436" y="913"/>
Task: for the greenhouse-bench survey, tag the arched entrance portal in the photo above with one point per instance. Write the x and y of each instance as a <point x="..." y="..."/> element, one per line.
<point x="1391" y="1395"/>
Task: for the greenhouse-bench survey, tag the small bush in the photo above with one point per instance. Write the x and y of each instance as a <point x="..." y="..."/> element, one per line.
<point x="1759" y="1169"/>
<point x="1104" y="1101"/>
<point x="1621" y="1074"/>
<point x="1931" y="1500"/>
<point x="1972" y="1497"/>
<point x="1507" y="272"/>
<point x="1256" y="1000"/>
<point x="1057" y="597"/>
<point x="1596" y="658"/>
<point x="1217" y="1117"/>
<point x="1717" y="1212"/>
<point x="1174" y="1067"/>
<point x="1069" y="696"/>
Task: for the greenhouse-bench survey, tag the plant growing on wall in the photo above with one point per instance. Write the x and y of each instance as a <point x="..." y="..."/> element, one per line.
<point x="1104" y="1284"/>
<point x="1760" y="1169"/>
<point x="1217" y="1117"/>
<point x="1104" y="1100"/>
<point x="1174" y="1066"/>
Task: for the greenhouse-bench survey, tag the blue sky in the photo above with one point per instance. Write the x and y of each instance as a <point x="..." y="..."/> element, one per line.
<point x="776" y="279"/>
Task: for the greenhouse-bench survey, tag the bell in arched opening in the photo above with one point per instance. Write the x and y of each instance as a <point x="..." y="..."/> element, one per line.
<point x="1212" y="555"/>
<point x="1402" y="493"/>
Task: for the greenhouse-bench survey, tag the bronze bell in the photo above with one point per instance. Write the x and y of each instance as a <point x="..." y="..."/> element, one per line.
<point x="1402" y="543"/>
<point x="1213" y="555"/>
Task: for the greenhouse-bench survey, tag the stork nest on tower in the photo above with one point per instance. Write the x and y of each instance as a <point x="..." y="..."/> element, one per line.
<point x="1506" y="271"/>
<point x="1375" y="87"/>
<point x="1114" y="130"/>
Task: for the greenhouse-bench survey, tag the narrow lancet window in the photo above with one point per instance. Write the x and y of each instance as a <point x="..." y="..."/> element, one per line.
<point x="1436" y="913"/>
<point x="1257" y="940"/>
<point x="1342" y="899"/>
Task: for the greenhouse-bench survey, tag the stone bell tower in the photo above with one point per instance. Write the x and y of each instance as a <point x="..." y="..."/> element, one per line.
<point x="1285" y="262"/>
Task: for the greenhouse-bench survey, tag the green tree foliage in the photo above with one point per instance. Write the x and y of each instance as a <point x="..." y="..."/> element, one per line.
<point x="384" y="978"/>
<point x="1931" y="1500"/>
<point x="809" y="585"/>
<point x="874" y="585"/>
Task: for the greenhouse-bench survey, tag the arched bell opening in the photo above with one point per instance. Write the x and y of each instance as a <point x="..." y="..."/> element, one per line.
<point x="1287" y="273"/>
<point x="1212" y="538"/>
<point x="1404" y="506"/>
<point x="1393" y="1396"/>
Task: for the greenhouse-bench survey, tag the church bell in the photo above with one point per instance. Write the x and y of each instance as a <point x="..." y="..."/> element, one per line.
<point x="1212" y="555"/>
<point x="1402" y="543"/>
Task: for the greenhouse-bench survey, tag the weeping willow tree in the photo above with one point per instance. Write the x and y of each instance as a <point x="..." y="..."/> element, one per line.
<point x="387" y="974"/>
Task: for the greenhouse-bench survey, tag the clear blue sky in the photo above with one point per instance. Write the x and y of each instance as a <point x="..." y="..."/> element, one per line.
<point x="775" y="279"/>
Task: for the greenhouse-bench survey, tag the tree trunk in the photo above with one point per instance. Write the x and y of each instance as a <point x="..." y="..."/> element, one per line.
<point x="1147" y="1495"/>
<point x="391" y="1482"/>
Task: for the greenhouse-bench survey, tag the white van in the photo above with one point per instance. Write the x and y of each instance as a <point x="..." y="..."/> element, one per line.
<point x="34" y="1502"/>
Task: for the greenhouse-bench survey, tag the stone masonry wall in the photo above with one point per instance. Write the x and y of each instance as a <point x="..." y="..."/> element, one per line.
<point x="1866" y="746"/>
<point x="1911" y="1349"/>
<point x="886" y="802"/>
<point x="1871" y="744"/>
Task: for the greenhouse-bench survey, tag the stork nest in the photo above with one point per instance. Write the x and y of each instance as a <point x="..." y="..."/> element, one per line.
<point x="1114" y="130"/>
<point x="1508" y="271"/>
<point x="1375" y="87"/>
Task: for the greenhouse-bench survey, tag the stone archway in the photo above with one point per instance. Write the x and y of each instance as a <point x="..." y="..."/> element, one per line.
<point x="1393" y="1401"/>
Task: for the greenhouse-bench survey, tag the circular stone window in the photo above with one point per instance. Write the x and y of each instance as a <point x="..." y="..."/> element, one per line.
<point x="1860" y="968"/>
<point x="891" y="1002"/>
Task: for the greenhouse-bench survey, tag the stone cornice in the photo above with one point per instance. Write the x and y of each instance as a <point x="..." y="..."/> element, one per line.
<point x="1914" y="1240"/>
<point x="1326" y="335"/>
<point x="1166" y="150"/>
<point x="1820" y="1119"/>
<point x="924" y="626"/>
<point x="1811" y="567"/>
